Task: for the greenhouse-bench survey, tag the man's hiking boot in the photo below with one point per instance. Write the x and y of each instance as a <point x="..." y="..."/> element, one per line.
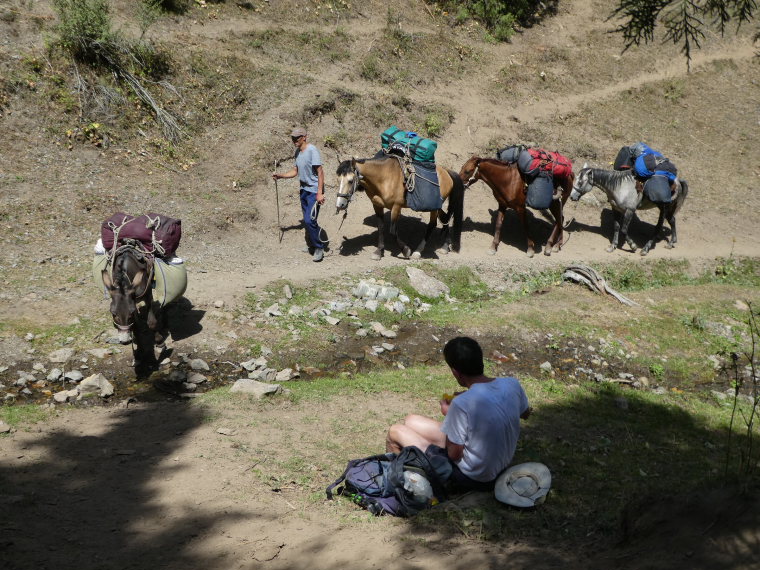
<point x="318" y="254"/>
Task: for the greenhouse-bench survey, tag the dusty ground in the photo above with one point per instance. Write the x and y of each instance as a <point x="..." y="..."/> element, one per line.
<point x="157" y="485"/>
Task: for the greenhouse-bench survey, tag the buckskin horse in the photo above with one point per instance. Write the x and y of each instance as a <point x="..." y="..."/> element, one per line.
<point x="382" y="178"/>
<point x="508" y="188"/>
<point x="625" y="198"/>
<point x="128" y="280"/>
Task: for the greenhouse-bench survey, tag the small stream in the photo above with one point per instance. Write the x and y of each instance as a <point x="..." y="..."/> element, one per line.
<point x="415" y="345"/>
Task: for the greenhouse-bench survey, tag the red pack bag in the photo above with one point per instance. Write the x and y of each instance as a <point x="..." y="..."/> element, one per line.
<point x="532" y="161"/>
<point x="562" y="166"/>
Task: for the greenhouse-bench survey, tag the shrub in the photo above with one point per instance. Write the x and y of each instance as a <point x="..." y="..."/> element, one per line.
<point x="84" y="26"/>
<point x="370" y="69"/>
<point x="499" y="17"/>
<point x="434" y="125"/>
<point x="85" y="31"/>
<point x="176" y="6"/>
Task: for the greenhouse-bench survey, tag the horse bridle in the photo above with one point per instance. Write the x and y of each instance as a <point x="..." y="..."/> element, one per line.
<point x="354" y="186"/>
<point x="474" y="177"/>
<point x="589" y="180"/>
<point x="143" y="256"/>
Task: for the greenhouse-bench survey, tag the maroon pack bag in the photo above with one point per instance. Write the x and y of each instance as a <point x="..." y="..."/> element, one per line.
<point x="168" y="232"/>
<point x="159" y="234"/>
<point x="109" y="226"/>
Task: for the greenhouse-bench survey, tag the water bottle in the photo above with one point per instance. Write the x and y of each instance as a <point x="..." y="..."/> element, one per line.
<point x="418" y="486"/>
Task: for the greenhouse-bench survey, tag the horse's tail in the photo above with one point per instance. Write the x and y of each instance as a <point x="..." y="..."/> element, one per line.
<point x="456" y="208"/>
<point x="681" y="198"/>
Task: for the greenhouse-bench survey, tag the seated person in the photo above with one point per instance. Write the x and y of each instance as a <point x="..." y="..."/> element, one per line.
<point x="481" y="425"/>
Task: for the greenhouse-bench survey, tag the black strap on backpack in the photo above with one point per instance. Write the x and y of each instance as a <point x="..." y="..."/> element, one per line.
<point x="413" y="458"/>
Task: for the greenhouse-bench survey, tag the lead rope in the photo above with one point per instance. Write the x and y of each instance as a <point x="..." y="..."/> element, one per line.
<point x="323" y="237"/>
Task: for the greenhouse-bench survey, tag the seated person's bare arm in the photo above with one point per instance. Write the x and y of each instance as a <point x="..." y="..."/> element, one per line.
<point x="455" y="451"/>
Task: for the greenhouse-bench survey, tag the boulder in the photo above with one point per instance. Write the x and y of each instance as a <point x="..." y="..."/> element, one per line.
<point x="426" y="285"/>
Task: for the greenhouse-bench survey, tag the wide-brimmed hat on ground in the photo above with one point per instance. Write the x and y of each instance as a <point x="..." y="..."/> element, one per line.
<point x="524" y="485"/>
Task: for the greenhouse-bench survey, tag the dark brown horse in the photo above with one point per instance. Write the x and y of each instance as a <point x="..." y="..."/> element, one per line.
<point x="382" y="178"/>
<point x="509" y="189"/>
<point x="128" y="280"/>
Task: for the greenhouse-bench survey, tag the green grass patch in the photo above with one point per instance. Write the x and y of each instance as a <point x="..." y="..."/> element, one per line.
<point x="428" y="382"/>
<point x="630" y="276"/>
<point x="23" y="414"/>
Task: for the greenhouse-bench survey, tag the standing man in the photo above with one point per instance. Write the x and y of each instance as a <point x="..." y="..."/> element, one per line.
<point x="481" y="426"/>
<point x="311" y="176"/>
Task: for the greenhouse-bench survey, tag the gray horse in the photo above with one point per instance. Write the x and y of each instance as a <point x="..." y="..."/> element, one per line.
<point x="625" y="199"/>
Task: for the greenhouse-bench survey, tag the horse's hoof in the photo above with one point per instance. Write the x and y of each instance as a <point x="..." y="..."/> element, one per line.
<point x="669" y="246"/>
<point x="416" y="255"/>
<point x="377" y="256"/>
<point x="643" y="252"/>
<point x="610" y="249"/>
<point x="491" y="252"/>
<point x="547" y="251"/>
<point x="531" y="253"/>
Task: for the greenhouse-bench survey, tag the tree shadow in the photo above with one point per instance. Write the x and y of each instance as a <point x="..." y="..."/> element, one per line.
<point x="607" y="450"/>
<point x="628" y="474"/>
<point x="81" y="500"/>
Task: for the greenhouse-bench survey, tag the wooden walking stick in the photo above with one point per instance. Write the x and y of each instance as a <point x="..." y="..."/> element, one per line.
<point x="277" y="199"/>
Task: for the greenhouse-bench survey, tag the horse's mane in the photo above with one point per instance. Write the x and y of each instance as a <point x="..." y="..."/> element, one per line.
<point x="494" y="161"/>
<point x="346" y="166"/>
<point x="119" y="275"/>
<point x="612" y="179"/>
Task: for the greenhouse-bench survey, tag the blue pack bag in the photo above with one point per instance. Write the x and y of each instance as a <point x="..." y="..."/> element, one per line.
<point x="376" y="483"/>
<point x="540" y="192"/>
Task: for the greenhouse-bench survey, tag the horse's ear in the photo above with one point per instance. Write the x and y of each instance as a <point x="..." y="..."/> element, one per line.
<point x="107" y="281"/>
<point x="138" y="279"/>
<point x="585" y="165"/>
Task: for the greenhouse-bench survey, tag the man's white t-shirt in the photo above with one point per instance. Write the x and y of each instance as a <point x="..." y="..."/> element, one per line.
<point x="486" y="420"/>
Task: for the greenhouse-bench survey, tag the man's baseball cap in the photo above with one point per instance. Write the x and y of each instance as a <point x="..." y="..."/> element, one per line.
<point x="298" y="132"/>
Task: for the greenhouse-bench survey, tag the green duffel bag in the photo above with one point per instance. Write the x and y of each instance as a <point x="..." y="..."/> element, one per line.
<point x="419" y="148"/>
<point x="422" y="150"/>
<point x="392" y="135"/>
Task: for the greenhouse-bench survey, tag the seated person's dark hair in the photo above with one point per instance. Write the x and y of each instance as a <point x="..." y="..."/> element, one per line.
<point x="464" y="355"/>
